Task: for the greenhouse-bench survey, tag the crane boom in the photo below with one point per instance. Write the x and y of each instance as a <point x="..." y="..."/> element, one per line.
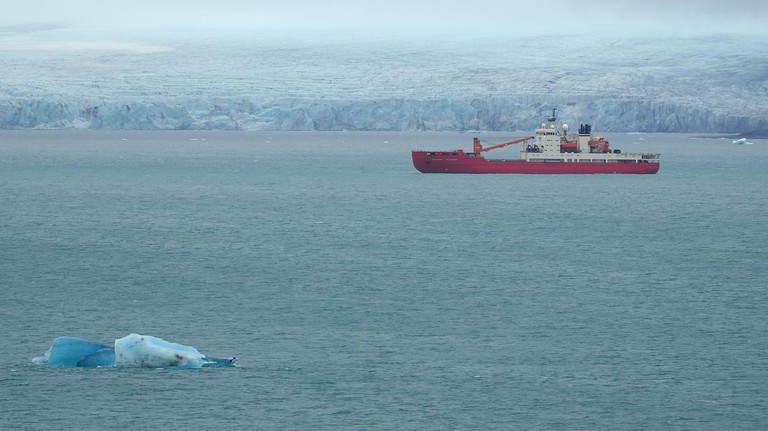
<point x="478" y="148"/>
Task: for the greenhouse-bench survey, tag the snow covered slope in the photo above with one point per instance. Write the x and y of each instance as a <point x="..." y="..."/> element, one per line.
<point x="59" y="78"/>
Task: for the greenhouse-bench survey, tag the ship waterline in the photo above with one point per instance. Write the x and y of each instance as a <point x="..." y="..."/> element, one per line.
<point x="459" y="162"/>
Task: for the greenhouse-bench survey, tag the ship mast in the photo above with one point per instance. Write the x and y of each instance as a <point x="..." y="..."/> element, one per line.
<point x="552" y="118"/>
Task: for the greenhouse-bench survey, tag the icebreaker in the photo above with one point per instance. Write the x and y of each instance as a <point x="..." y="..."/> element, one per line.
<point x="134" y="350"/>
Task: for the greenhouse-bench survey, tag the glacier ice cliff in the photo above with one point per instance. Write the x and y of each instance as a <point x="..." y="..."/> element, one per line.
<point x="494" y="113"/>
<point x="131" y="351"/>
<point x="331" y="82"/>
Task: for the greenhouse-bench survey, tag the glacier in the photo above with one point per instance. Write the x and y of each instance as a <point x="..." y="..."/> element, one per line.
<point x="131" y="351"/>
<point x="490" y="113"/>
<point x="335" y="82"/>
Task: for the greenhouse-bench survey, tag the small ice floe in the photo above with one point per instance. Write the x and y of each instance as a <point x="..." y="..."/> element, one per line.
<point x="742" y="141"/>
<point x="132" y="351"/>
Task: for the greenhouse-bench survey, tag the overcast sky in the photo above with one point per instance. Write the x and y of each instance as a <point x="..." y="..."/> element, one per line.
<point x="559" y="16"/>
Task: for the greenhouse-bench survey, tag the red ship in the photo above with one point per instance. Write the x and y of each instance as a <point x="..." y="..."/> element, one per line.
<point x="553" y="151"/>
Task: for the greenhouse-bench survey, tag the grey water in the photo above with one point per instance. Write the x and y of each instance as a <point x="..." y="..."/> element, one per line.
<point x="357" y="293"/>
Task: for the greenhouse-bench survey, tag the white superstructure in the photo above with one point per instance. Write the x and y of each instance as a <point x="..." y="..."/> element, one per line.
<point x="551" y="144"/>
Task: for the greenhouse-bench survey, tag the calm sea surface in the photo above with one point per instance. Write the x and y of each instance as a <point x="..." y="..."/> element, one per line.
<point x="358" y="293"/>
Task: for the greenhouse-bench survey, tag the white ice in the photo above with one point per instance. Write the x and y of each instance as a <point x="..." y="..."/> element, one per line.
<point x="143" y="351"/>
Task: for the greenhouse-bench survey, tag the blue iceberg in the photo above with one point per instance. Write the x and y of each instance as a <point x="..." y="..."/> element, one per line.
<point x="132" y="351"/>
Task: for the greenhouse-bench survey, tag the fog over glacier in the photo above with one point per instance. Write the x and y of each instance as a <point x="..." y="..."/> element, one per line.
<point x="242" y="71"/>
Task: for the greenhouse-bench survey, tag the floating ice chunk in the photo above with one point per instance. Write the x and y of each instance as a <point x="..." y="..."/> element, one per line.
<point x="78" y="352"/>
<point x="131" y="351"/>
<point x="742" y="141"/>
<point x="146" y="351"/>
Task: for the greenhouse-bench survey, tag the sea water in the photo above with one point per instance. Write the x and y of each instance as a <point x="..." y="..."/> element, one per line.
<point x="358" y="293"/>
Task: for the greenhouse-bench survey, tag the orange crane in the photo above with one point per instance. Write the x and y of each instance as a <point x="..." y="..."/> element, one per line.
<point x="478" y="148"/>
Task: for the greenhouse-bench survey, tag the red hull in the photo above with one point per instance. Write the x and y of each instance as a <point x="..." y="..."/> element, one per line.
<point x="458" y="162"/>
